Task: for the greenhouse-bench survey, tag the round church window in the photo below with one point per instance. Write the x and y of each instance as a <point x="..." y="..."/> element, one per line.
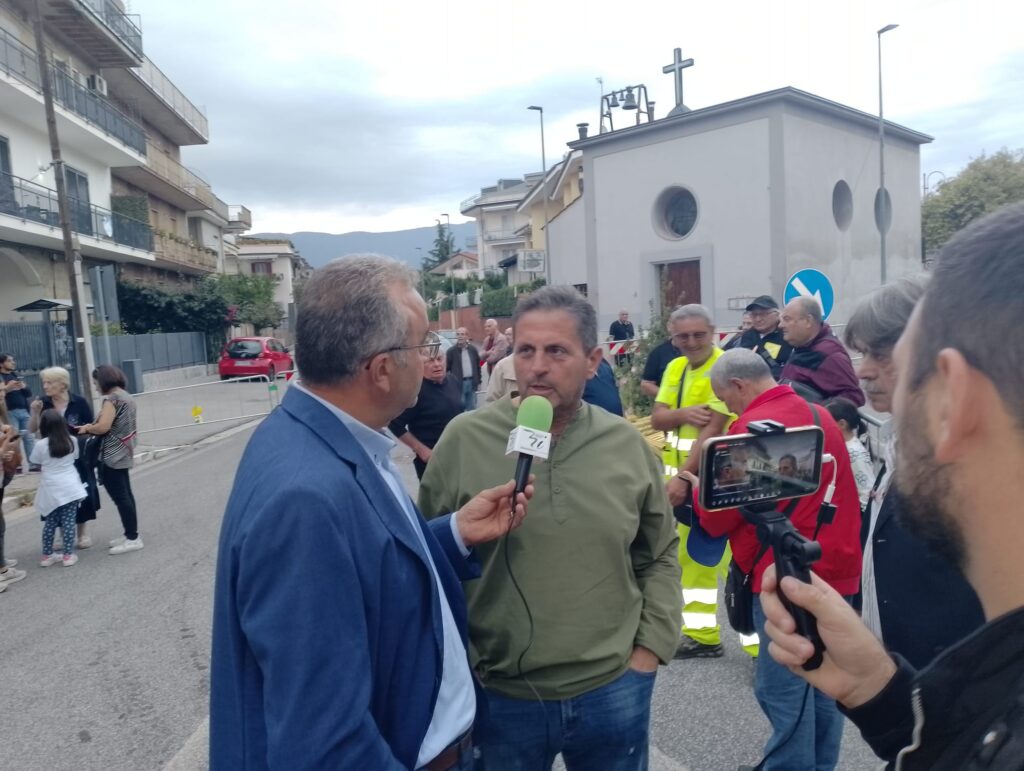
<point x="842" y="204"/>
<point x="676" y="212"/>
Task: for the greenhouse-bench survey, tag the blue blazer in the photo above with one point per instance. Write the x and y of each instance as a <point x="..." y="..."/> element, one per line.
<point x="327" y="637"/>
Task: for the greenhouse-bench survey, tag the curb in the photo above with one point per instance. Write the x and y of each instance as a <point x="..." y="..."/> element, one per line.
<point x="11" y="504"/>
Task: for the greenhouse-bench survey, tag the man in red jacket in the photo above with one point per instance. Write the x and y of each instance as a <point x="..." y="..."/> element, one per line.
<point x="806" y="726"/>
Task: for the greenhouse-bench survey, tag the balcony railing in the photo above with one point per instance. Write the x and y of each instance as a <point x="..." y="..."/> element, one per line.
<point x="469" y="202"/>
<point x="151" y="75"/>
<point x="21" y="63"/>
<point x="123" y="25"/>
<point x="503" y="235"/>
<point x="29" y="201"/>
<point x="240" y="214"/>
<point x="185" y="252"/>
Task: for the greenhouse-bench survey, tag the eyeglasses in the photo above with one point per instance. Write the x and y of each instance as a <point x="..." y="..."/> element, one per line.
<point x="697" y="337"/>
<point x="428" y="350"/>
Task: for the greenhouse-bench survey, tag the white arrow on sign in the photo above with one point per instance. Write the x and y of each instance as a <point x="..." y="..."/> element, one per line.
<point x="803" y="291"/>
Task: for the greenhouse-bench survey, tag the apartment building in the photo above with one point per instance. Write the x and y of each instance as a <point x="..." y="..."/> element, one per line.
<point x="278" y="260"/>
<point x="502" y="231"/>
<point x="121" y="123"/>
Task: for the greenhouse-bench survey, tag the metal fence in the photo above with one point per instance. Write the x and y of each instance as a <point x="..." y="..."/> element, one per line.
<point x="158" y="352"/>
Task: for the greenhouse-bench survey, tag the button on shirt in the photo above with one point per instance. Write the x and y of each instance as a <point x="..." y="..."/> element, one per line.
<point x="456" y="700"/>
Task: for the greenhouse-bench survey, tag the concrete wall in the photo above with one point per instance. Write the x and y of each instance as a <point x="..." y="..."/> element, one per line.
<point x="726" y="169"/>
<point x="568" y="246"/>
<point x="818" y="154"/>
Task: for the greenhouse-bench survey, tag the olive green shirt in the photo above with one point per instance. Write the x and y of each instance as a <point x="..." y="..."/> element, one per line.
<point x="595" y="557"/>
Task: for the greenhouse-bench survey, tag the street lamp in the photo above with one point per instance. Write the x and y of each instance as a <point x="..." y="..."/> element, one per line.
<point x="451" y="272"/>
<point x="883" y="201"/>
<point x="543" y="190"/>
<point x="925" y="178"/>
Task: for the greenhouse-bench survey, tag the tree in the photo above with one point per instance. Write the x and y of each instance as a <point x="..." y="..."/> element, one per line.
<point x="444" y="248"/>
<point x="984" y="185"/>
<point x="250" y="299"/>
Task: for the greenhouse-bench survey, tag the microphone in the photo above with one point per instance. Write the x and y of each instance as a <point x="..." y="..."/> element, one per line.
<point x="531" y="437"/>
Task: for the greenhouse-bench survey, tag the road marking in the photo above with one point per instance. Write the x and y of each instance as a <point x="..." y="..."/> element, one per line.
<point x="193" y="755"/>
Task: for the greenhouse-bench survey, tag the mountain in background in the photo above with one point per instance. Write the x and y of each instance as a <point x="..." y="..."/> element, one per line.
<point x="321" y="248"/>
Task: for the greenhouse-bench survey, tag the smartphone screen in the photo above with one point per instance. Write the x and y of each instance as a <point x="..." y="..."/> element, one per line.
<point x="760" y="468"/>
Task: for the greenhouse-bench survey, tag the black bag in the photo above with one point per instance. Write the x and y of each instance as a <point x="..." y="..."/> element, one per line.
<point x="739" y="589"/>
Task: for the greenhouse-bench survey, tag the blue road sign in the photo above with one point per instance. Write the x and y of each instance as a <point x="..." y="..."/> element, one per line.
<point x="812" y="283"/>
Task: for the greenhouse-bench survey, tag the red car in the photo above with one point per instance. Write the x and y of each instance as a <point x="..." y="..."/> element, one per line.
<point x="247" y="356"/>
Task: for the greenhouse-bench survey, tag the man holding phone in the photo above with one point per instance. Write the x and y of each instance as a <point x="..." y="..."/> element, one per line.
<point x="806" y="726"/>
<point x="17" y="396"/>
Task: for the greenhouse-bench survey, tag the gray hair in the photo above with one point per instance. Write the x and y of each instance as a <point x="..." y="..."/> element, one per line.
<point x="810" y="307"/>
<point x="973" y="305"/>
<point x="739" y="364"/>
<point x="346" y="315"/>
<point x="57" y="375"/>
<point x="562" y="298"/>
<point x="692" y="311"/>
<point x="880" y="318"/>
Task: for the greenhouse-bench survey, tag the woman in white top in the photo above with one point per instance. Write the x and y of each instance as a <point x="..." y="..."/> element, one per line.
<point x="846" y="416"/>
<point x="60" y="489"/>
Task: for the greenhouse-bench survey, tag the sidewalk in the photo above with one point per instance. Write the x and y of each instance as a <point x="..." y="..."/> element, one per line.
<point x="167" y="422"/>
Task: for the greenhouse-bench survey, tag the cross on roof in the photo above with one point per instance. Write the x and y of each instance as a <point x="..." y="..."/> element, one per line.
<point x="676" y="67"/>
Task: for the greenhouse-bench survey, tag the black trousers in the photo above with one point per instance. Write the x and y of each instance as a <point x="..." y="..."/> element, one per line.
<point x="119" y="488"/>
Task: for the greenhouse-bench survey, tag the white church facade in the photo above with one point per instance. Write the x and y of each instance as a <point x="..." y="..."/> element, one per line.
<point x="727" y="202"/>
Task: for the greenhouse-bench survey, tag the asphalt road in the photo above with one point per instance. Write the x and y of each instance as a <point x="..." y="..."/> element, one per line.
<point x="105" y="665"/>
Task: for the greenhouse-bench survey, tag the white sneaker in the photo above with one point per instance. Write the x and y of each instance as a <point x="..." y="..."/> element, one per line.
<point x="49" y="559"/>
<point x="10" y="563"/>
<point x="11" y="576"/>
<point x="85" y="542"/>
<point x="127" y="546"/>
<point x="69" y="560"/>
<point x="117" y="541"/>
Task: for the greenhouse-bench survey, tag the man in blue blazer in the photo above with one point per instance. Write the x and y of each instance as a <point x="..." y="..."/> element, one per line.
<point x="339" y="627"/>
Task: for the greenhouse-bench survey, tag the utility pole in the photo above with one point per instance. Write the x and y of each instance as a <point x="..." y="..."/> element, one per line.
<point x="72" y="255"/>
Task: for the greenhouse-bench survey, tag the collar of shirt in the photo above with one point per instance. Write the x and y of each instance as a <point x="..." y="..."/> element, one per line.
<point x="376" y="444"/>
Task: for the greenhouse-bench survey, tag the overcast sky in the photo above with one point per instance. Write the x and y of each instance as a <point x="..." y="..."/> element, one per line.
<point x="340" y="116"/>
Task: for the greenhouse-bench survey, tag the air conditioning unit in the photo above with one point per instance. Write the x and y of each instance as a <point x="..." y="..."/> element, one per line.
<point x="96" y="83"/>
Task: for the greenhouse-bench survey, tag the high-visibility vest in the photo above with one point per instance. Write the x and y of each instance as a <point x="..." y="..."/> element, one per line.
<point x="696" y="390"/>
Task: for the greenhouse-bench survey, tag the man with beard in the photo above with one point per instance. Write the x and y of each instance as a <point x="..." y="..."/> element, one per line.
<point x="959" y="406"/>
<point x="916" y="603"/>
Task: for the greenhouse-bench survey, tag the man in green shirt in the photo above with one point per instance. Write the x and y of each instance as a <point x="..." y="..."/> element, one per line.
<point x="576" y="608"/>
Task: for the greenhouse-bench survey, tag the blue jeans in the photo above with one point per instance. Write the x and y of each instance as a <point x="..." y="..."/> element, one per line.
<point x="468" y="395"/>
<point x="603" y="730"/>
<point x="814" y="744"/>
<point x="20" y="420"/>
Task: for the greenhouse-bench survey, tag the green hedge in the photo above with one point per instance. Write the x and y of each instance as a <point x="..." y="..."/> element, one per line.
<point x="499" y="302"/>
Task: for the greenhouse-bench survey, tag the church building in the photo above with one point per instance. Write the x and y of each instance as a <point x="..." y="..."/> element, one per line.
<point x="727" y="202"/>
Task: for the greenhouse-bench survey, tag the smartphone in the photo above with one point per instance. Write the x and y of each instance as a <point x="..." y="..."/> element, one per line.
<point x="760" y="468"/>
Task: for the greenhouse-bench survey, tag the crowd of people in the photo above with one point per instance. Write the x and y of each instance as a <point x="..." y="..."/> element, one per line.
<point x="74" y="452"/>
<point x="495" y="624"/>
<point x="577" y="587"/>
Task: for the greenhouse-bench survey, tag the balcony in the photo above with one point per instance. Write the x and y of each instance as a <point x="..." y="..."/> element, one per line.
<point x="168" y="180"/>
<point x="469" y="203"/>
<point x="98" y="28"/>
<point x="29" y="202"/>
<point x="504" y="235"/>
<point x="239" y="219"/>
<point x="214" y="210"/>
<point x="23" y="96"/>
<point x="182" y="252"/>
<point x="163" y="103"/>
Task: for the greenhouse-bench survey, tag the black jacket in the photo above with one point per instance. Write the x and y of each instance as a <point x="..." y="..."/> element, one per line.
<point x="454" y="360"/>
<point x="620" y="331"/>
<point x="752" y="340"/>
<point x="925" y="604"/>
<point x="969" y="705"/>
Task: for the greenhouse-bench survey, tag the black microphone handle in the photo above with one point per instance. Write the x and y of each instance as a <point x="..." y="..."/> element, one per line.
<point x="522" y="473"/>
